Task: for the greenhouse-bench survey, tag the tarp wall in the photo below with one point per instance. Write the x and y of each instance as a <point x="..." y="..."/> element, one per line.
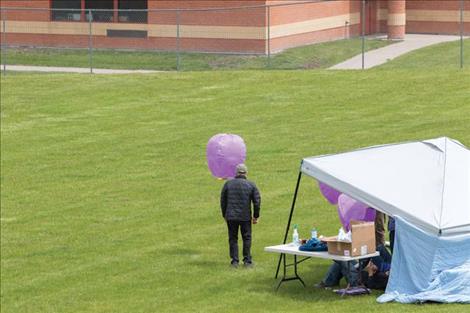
<point x="426" y="267"/>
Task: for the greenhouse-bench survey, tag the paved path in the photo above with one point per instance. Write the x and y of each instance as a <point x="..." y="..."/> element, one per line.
<point x="52" y="69"/>
<point x="382" y="55"/>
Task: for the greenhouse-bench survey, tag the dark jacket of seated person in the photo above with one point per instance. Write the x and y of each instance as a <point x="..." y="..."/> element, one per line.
<point x="375" y="274"/>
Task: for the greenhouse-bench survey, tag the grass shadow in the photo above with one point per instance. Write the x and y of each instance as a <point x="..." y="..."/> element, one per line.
<point x="294" y="290"/>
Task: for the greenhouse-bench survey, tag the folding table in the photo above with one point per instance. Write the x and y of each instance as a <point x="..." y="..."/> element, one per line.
<point x="294" y="250"/>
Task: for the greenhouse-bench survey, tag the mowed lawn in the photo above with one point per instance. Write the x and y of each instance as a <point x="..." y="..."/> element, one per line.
<point x="107" y="204"/>
<point x="320" y="55"/>
<point x="441" y="56"/>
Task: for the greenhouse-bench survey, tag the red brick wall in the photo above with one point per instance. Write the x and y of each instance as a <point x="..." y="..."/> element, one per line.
<point x="302" y="12"/>
<point x="414" y="7"/>
<point x="23" y="15"/>
<point x="433" y="4"/>
<point x="152" y="43"/>
<point x="239" y="17"/>
<point x="202" y="4"/>
<point x="432" y="26"/>
<point x="285" y="15"/>
<point x="279" y="44"/>
<point x="241" y="30"/>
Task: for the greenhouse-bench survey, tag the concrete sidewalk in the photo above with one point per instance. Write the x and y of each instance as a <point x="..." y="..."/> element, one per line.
<point x="385" y="54"/>
<point x="83" y="70"/>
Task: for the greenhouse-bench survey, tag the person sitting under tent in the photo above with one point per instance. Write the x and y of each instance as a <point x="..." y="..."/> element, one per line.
<point x="374" y="276"/>
<point x="338" y="270"/>
<point x="376" y="272"/>
<point x="351" y="272"/>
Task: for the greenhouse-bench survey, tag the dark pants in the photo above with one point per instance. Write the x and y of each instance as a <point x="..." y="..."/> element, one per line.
<point x="245" y="228"/>
<point x="384" y="256"/>
<point x="380" y="279"/>
<point x="340" y="269"/>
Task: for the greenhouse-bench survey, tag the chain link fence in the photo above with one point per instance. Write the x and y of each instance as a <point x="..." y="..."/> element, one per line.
<point x="303" y="35"/>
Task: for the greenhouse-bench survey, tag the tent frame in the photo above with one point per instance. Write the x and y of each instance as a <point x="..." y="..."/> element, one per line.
<point x="283" y="255"/>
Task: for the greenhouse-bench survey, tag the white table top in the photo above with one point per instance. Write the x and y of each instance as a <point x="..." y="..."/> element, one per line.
<point x="293" y="249"/>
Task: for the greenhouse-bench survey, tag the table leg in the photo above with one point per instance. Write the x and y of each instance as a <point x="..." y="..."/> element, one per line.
<point x="284" y="271"/>
<point x="295" y="270"/>
<point x="285" y="266"/>
<point x="283" y="256"/>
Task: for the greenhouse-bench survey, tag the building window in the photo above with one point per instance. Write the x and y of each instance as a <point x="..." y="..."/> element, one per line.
<point x="125" y="11"/>
<point x="102" y="10"/>
<point x="133" y="16"/>
<point x="66" y="10"/>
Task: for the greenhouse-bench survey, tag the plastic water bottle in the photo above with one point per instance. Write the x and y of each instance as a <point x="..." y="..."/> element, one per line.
<point x="314" y="233"/>
<point x="295" y="236"/>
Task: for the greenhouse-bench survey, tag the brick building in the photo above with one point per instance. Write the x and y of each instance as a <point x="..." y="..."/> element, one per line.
<point x="241" y="26"/>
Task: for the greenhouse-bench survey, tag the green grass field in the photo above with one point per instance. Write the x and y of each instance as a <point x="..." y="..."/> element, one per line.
<point x="308" y="57"/>
<point x="317" y="56"/>
<point x="107" y="204"/>
<point x="440" y="56"/>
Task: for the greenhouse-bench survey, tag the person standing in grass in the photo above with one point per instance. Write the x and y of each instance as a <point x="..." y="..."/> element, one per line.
<point x="236" y="201"/>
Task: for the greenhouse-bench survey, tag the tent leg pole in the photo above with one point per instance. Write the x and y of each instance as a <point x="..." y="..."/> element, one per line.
<point x="290" y="218"/>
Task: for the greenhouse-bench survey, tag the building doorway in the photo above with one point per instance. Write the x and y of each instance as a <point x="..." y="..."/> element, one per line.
<point x="371" y="21"/>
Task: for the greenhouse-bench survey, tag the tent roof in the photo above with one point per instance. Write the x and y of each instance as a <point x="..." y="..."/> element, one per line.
<point x="426" y="182"/>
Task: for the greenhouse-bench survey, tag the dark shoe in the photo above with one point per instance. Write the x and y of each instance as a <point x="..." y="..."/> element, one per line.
<point x="248" y="264"/>
<point x="321" y="285"/>
<point x="234" y="264"/>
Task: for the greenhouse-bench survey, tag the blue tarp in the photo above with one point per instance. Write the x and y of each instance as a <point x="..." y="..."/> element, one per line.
<point x="427" y="267"/>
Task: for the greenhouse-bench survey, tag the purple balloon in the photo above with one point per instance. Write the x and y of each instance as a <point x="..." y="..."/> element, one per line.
<point x="350" y="209"/>
<point x="370" y="215"/>
<point x="224" y="152"/>
<point x="329" y="193"/>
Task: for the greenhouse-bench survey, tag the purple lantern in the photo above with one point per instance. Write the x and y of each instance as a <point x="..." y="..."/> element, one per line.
<point x="350" y="209"/>
<point x="224" y="153"/>
<point x="329" y="193"/>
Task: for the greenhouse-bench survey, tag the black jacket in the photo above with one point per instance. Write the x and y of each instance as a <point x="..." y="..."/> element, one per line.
<point x="236" y="198"/>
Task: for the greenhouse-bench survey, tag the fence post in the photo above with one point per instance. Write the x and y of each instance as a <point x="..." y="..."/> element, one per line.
<point x="4" y="41"/>
<point x="363" y="31"/>
<point x="462" y="8"/>
<point x="90" y="41"/>
<point x="178" y="57"/>
<point x="269" y="36"/>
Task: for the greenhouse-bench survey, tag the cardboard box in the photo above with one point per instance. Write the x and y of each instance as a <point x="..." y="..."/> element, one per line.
<point x="362" y="241"/>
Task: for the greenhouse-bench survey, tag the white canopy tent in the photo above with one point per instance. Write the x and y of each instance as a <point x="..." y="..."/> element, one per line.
<point x="426" y="185"/>
<point x="425" y="182"/>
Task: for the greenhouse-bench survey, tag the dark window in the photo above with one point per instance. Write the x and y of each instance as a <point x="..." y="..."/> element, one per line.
<point x="104" y="10"/>
<point x="66" y="10"/>
<point x="133" y="16"/>
<point x="126" y="33"/>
